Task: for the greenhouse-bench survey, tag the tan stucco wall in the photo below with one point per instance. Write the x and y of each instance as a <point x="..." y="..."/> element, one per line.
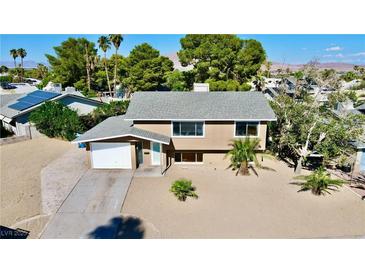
<point x="218" y="135"/>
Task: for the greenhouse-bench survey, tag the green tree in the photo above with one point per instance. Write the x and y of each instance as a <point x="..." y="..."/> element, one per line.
<point x="145" y="70"/>
<point x="4" y="69"/>
<point x="56" y="120"/>
<point x="221" y="57"/>
<point x="116" y="39"/>
<point x="14" y="54"/>
<point x="22" y="53"/>
<point x="303" y="127"/>
<point x="104" y="45"/>
<point x="319" y="182"/>
<point x="243" y="151"/>
<point x="74" y="60"/>
<point x="175" y="81"/>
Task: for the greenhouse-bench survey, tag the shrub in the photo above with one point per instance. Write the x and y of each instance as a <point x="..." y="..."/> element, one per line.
<point x="56" y="120"/>
<point x="6" y="79"/>
<point x="319" y="182"/>
<point x="182" y="189"/>
<point x="245" y="87"/>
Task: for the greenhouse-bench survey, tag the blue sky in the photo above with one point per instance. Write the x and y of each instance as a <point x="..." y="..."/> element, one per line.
<point x="293" y="49"/>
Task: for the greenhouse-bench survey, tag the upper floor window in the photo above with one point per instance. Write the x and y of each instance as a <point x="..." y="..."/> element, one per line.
<point x="187" y="129"/>
<point x="247" y="129"/>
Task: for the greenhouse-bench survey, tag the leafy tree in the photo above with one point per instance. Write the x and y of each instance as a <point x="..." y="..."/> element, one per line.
<point x="243" y="151"/>
<point x="349" y="76"/>
<point x="104" y="45"/>
<point x="4" y="69"/>
<point x="116" y="39"/>
<point x="175" y="80"/>
<point x="114" y="108"/>
<point x="74" y="60"/>
<point x="14" y="54"/>
<point x="56" y="120"/>
<point x="341" y="96"/>
<point x="221" y="57"/>
<point x="319" y="182"/>
<point x="182" y="189"/>
<point x="303" y="127"/>
<point x="144" y="69"/>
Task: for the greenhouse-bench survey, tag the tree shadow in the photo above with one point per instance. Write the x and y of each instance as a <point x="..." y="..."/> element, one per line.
<point x="120" y="228"/>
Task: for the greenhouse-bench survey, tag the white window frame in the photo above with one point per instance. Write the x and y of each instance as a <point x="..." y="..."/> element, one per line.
<point x="246" y="136"/>
<point x="187" y="137"/>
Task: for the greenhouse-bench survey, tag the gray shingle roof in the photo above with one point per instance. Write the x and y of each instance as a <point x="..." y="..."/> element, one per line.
<point x="116" y="126"/>
<point x="199" y="105"/>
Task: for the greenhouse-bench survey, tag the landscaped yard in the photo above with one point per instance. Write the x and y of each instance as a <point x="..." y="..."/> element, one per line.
<point x="232" y="206"/>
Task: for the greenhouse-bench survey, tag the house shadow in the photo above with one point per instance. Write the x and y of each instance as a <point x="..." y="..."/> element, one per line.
<point x="120" y="228"/>
<point x="10" y="233"/>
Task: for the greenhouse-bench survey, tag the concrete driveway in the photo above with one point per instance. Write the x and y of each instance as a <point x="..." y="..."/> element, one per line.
<point x="92" y="209"/>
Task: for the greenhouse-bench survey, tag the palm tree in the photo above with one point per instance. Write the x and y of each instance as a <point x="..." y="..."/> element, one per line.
<point x="14" y="54"/>
<point x="22" y="54"/>
<point x="116" y="39"/>
<point x="104" y="45"/>
<point x="319" y="182"/>
<point x="268" y="65"/>
<point x="243" y="151"/>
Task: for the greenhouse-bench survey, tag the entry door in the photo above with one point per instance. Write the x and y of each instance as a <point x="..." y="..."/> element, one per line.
<point x="155" y="154"/>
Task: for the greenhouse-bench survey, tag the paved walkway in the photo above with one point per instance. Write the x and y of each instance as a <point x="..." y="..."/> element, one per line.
<point x="92" y="209"/>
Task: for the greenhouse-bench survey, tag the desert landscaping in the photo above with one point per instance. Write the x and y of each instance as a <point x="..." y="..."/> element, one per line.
<point x="21" y="171"/>
<point x="230" y="206"/>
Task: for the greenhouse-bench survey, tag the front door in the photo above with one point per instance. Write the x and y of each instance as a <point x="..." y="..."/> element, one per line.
<point x="139" y="148"/>
<point x="155" y="154"/>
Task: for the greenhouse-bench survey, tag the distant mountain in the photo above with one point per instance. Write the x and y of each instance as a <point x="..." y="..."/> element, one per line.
<point x="341" y="67"/>
<point x="28" y="64"/>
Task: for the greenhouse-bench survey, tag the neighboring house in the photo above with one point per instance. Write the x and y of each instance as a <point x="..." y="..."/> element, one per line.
<point x="16" y="108"/>
<point x="165" y="128"/>
<point x="346" y="108"/>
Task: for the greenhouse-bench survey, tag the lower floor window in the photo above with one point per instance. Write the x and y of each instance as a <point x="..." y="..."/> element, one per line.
<point x="188" y="157"/>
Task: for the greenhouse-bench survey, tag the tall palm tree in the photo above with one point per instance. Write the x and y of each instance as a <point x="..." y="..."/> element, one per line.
<point x="14" y="54"/>
<point x="22" y="54"/>
<point x="116" y="39"/>
<point x="104" y="45"/>
<point x="243" y="151"/>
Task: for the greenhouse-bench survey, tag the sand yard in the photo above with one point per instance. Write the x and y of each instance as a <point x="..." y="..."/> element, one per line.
<point x="267" y="206"/>
<point x="21" y="165"/>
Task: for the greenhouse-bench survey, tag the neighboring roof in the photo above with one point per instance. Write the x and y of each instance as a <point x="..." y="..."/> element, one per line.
<point x="115" y="127"/>
<point x="9" y="112"/>
<point x="199" y="106"/>
<point x="6" y="98"/>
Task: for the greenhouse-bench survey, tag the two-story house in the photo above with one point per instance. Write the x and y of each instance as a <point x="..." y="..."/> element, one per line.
<point x="165" y="128"/>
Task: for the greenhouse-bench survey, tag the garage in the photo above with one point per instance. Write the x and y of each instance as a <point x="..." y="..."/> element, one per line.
<point x="111" y="155"/>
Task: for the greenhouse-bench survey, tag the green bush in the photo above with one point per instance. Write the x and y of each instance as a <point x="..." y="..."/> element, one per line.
<point x="56" y="120"/>
<point x="6" y="79"/>
<point x="245" y="87"/>
<point x="319" y="182"/>
<point x="182" y="189"/>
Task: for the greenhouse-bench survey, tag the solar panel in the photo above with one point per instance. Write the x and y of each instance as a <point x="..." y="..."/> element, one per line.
<point x="32" y="99"/>
<point x="20" y="105"/>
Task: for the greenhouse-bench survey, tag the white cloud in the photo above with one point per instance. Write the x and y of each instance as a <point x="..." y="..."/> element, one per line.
<point x="303" y="48"/>
<point x="327" y="55"/>
<point x="335" y="48"/>
<point x="339" y="55"/>
<point x="359" y="54"/>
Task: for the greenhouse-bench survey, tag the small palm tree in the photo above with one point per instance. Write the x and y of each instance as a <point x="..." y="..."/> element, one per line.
<point x="116" y="39"/>
<point x="182" y="189"/>
<point x="243" y="151"/>
<point x="104" y="45"/>
<point x="14" y="54"/>
<point x="319" y="182"/>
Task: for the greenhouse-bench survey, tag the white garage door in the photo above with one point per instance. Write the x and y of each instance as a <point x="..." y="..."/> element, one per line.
<point x="111" y="155"/>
